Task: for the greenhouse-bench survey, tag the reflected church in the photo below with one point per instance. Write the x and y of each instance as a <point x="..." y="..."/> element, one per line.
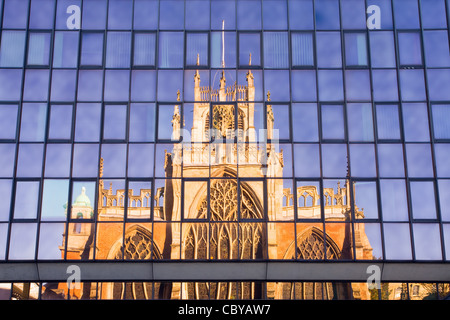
<point x="222" y="217"/>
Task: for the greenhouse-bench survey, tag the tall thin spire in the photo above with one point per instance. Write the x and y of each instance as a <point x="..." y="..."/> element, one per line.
<point x="223" y="44"/>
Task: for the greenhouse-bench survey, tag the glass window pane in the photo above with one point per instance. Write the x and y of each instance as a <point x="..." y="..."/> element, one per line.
<point x="353" y="14"/>
<point x="301" y="15"/>
<point x="144" y="49"/>
<point x="115" y="122"/>
<point x="22" y="241"/>
<point x="142" y="122"/>
<point x="58" y="160"/>
<point x="5" y="189"/>
<point x="143" y="85"/>
<point x="61" y="12"/>
<point x="433" y="14"/>
<point x="275" y="15"/>
<point x="165" y="114"/>
<point x="362" y="160"/>
<point x="412" y="85"/>
<point x="120" y="13"/>
<point x="438" y="81"/>
<point x="54" y="200"/>
<point x="360" y="122"/>
<point x="171" y="15"/>
<point x="171" y="48"/>
<point x="394" y="203"/>
<point x="36" y="85"/>
<point x="29" y="163"/>
<point x="390" y="160"/>
<point x="33" y="122"/>
<point x="39" y="48"/>
<point x="83" y="195"/>
<point x="304" y="85"/>
<point x="441" y="121"/>
<point x="406" y="14"/>
<point x="118" y="50"/>
<point x="8" y="151"/>
<point x="436" y="48"/>
<point x="140" y="160"/>
<point x="26" y="200"/>
<point x="328" y="48"/>
<point x="334" y="160"/>
<point x="397" y="239"/>
<point x="63" y="85"/>
<point x="382" y="49"/>
<point x="94" y="14"/>
<point x="355" y="49"/>
<point x="388" y="125"/>
<point x="442" y="154"/>
<point x="277" y="82"/>
<point x="302" y="49"/>
<point x="305" y="122"/>
<point x="223" y="10"/>
<point x="249" y="44"/>
<point x="415" y="122"/>
<point x="419" y="161"/>
<point x="197" y="48"/>
<point x="8" y="121"/>
<point x="15" y="14"/>
<point x="12" y="48"/>
<point x="85" y="160"/>
<point x="306" y="160"/>
<point x="331" y="86"/>
<point x="60" y="125"/>
<point x="385" y="85"/>
<point x="169" y="82"/>
<point x="327" y="14"/>
<point x="249" y="14"/>
<point x="229" y="39"/>
<point x="427" y="241"/>
<point x="197" y="14"/>
<point x="444" y="189"/>
<point x="65" y="49"/>
<point x="280" y="121"/>
<point x="117" y="85"/>
<point x="410" y="51"/>
<point x="365" y="199"/>
<point x="145" y="15"/>
<point x="50" y="239"/>
<point x="92" y="49"/>
<point x="423" y="200"/>
<point x="41" y="14"/>
<point x="87" y="124"/>
<point x="276" y="53"/>
<point x="333" y="122"/>
<point x="114" y="160"/>
<point x="90" y="85"/>
<point x="357" y="85"/>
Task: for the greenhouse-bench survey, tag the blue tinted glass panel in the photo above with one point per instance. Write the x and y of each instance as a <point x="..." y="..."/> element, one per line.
<point x="427" y="241"/>
<point x="140" y="160"/>
<point x="217" y="50"/>
<point x="33" y="122"/>
<point x="353" y="14"/>
<point x="410" y="48"/>
<point x="64" y="15"/>
<point x="12" y="49"/>
<point x="118" y="50"/>
<point x="331" y="86"/>
<point x="436" y="48"/>
<point x="65" y="49"/>
<point x="384" y="85"/>
<point x="143" y="85"/>
<point x="29" y="163"/>
<point x="390" y="160"/>
<point x="305" y="122"/>
<point x="277" y="82"/>
<point x="120" y="13"/>
<point x="433" y="14"/>
<point x="301" y="16"/>
<point x="94" y="14"/>
<point x="249" y="14"/>
<point x="114" y="122"/>
<point x="302" y="49"/>
<point x="249" y="43"/>
<point x="8" y="151"/>
<point x="197" y="46"/>
<point x="382" y="49"/>
<point x="328" y="48"/>
<point x="394" y="203"/>
<point x="360" y="121"/>
<point x="63" y="85"/>
<point x="406" y="14"/>
<point x="22" y="244"/>
<point x="144" y="49"/>
<point x="304" y="85"/>
<point x="117" y="85"/>
<point x="58" y="160"/>
<point x="333" y="122"/>
<point x="421" y="190"/>
<point x="171" y="48"/>
<point x="87" y="124"/>
<point x="442" y="154"/>
<point x="90" y="85"/>
<point x="412" y="85"/>
<point x="444" y="188"/>
<point x="36" y="85"/>
<point x="415" y="122"/>
<point x="145" y="14"/>
<point x="327" y="14"/>
<point x="11" y="81"/>
<point x="419" y="161"/>
<point x="171" y="15"/>
<point x="15" y="14"/>
<point x="38" y="48"/>
<point x="306" y="160"/>
<point x="60" y="121"/>
<point x="397" y="239"/>
<point x="355" y="49"/>
<point x="8" y="121"/>
<point x="85" y="160"/>
<point x="357" y="85"/>
<point x="197" y="14"/>
<point x="441" y="121"/>
<point x="55" y="197"/>
<point x="114" y="156"/>
<point x="388" y="126"/>
<point x="275" y="14"/>
<point x="92" y="49"/>
<point x="362" y="160"/>
<point x="5" y="189"/>
<point x="276" y="54"/>
<point x="169" y="82"/>
<point x="334" y="160"/>
<point x="438" y="83"/>
<point x="41" y="14"/>
<point x="223" y="10"/>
